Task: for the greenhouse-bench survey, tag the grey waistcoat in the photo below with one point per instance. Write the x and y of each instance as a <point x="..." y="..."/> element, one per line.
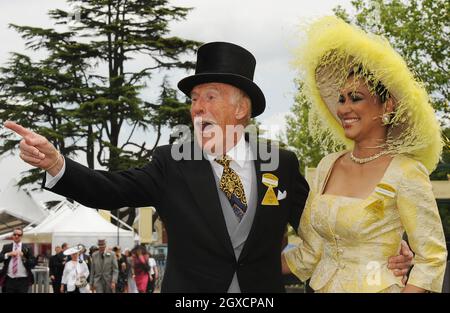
<point x="238" y="231"/>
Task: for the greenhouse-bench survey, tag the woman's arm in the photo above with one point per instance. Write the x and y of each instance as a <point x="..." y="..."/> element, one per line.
<point x="302" y="260"/>
<point x="420" y="217"/>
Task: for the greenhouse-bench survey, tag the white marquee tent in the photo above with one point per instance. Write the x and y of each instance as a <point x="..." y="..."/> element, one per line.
<point x="74" y="224"/>
<point x="18" y="208"/>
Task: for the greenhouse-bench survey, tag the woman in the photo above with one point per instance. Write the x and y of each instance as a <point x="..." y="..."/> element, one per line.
<point x="131" y="283"/>
<point x="154" y="273"/>
<point x="365" y="197"/>
<point x="140" y="268"/>
<point x="75" y="273"/>
<point x="122" y="279"/>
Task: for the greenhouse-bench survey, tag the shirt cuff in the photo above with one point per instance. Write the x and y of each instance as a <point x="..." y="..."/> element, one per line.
<point x="51" y="181"/>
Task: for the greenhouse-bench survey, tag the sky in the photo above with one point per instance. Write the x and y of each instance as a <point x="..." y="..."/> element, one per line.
<point x="269" y="29"/>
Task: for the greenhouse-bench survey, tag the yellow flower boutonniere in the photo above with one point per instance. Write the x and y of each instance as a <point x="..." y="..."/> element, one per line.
<point x="271" y="181"/>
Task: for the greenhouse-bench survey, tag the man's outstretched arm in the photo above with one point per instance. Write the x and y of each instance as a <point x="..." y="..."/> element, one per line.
<point x="94" y="188"/>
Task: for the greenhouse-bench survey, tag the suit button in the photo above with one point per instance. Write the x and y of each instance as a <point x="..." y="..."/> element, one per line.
<point x="340" y="250"/>
<point x="342" y="266"/>
<point x="337" y="237"/>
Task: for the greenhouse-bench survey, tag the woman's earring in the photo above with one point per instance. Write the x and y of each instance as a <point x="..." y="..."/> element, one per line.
<point x="386" y="119"/>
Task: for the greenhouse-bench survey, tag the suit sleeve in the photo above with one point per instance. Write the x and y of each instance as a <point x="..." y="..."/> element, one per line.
<point x="66" y="273"/>
<point x="303" y="259"/>
<point x="91" y="277"/>
<point x="115" y="270"/>
<point x="420" y="217"/>
<point x="51" y="266"/>
<point x="30" y="260"/>
<point x="298" y="194"/>
<point x="3" y="253"/>
<point x="112" y="190"/>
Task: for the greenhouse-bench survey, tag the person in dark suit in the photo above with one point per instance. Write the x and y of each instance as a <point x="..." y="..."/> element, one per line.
<point x="18" y="260"/>
<point x="54" y="270"/>
<point x="56" y="266"/>
<point x="225" y="197"/>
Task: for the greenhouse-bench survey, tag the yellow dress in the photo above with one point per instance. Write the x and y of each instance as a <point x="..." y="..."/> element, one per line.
<point x="346" y="242"/>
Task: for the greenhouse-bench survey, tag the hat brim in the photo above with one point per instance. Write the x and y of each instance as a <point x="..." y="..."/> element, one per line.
<point x="71" y="251"/>
<point x="249" y="87"/>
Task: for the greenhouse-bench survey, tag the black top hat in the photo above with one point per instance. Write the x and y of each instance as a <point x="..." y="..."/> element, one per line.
<point x="223" y="62"/>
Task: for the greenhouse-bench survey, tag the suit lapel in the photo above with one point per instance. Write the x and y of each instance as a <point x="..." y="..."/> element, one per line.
<point x="199" y="178"/>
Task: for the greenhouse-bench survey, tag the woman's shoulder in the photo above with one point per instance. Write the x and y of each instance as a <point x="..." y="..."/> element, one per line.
<point x="408" y="164"/>
<point x="324" y="166"/>
<point x="329" y="159"/>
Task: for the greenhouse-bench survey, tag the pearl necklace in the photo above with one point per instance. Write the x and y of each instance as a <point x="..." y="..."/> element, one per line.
<point x="368" y="159"/>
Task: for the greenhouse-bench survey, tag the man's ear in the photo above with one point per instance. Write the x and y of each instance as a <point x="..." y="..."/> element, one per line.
<point x="242" y="109"/>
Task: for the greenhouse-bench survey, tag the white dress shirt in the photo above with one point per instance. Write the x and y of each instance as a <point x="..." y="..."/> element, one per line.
<point x="50" y="180"/>
<point x="21" y="270"/>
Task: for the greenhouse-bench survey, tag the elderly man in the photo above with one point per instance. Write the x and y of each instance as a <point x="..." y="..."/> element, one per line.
<point x="225" y="198"/>
<point x="104" y="270"/>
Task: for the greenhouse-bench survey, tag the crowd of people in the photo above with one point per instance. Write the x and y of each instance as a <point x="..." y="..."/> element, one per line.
<point x="76" y="270"/>
<point x="102" y="270"/>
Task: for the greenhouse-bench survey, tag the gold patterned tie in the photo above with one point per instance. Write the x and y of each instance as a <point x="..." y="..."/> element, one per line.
<point x="231" y="185"/>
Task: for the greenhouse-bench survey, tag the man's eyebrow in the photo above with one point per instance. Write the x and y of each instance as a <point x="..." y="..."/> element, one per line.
<point x="206" y="90"/>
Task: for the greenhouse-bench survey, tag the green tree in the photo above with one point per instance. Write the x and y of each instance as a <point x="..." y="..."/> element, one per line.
<point x="442" y="171"/>
<point x="308" y="151"/>
<point x="85" y="95"/>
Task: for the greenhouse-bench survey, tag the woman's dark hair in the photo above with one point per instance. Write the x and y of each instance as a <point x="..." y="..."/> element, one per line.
<point x="377" y="86"/>
<point x="141" y="248"/>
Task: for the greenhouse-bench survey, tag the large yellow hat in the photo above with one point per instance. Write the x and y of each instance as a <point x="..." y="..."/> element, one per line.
<point x="332" y="48"/>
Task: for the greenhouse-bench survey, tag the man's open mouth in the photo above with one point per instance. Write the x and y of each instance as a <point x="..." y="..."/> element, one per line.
<point x="205" y="125"/>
